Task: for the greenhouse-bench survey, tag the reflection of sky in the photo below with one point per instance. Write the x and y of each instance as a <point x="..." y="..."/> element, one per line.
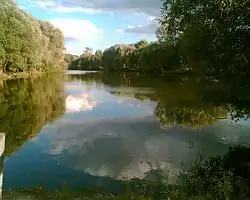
<point x="82" y="102"/>
<point x="118" y="137"/>
<point x="73" y="72"/>
<point x="119" y="148"/>
<point x="94" y="97"/>
<point x="126" y="148"/>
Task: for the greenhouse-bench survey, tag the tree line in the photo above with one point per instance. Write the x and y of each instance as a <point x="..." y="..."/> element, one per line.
<point x="141" y="56"/>
<point x="27" y="44"/>
<point x="207" y="37"/>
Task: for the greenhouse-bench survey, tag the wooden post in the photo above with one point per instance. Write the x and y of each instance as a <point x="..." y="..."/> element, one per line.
<point x="2" y="146"/>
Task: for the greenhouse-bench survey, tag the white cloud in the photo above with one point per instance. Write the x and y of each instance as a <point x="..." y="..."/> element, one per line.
<point x="152" y="18"/>
<point x="131" y="26"/>
<point x="83" y="33"/>
<point x="75" y="9"/>
<point x="148" y="28"/>
<point x="119" y="30"/>
<point x="149" y="7"/>
<point x="46" y="4"/>
<point x="56" y="7"/>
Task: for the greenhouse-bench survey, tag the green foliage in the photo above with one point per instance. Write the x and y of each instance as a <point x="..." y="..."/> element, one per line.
<point x="54" y="56"/>
<point x="189" y="115"/>
<point x="220" y="177"/>
<point x="209" y="37"/>
<point x="141" y="56"/>
<point x="69" y="58"/>
<point x="87" y="61"/>
<point x="212" y="35"/>
<point x="26" y="106"/>
<point x="27" y="44"/>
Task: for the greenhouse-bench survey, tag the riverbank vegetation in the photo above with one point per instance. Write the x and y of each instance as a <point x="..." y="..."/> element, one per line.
<point x="27" y="44"/>
<point x="142" y="57"/>
<point x="205" y="37"/>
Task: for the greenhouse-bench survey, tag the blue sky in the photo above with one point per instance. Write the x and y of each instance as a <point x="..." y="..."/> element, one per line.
<point x="97" y="23"/>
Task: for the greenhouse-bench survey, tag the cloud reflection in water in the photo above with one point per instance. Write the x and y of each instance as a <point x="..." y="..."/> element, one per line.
<point x="118" y="148"/>
<point x="79" y="103"/>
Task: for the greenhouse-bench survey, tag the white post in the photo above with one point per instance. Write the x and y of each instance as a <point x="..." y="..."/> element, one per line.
<point x="2" y="145"/>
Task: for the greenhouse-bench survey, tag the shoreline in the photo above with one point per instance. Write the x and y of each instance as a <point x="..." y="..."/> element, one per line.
<point x="8" y="76"/>
<point x="5" y="76"/>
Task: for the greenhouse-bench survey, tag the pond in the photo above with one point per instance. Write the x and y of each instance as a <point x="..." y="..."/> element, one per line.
<point x="98" y="130"/>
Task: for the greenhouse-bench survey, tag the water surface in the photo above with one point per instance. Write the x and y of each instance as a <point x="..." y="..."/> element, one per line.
<point x="96" y="130"/>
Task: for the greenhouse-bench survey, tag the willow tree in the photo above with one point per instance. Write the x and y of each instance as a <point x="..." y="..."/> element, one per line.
<point x="27" y="44"/>
<point x="21" y="39"/>
<point x="54" y="48"/>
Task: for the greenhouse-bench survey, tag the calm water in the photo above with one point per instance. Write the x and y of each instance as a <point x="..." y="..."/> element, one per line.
<point x="96" y="130"/>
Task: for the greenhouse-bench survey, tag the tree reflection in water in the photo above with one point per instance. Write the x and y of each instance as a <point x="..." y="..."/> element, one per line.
<point x="26" y="105"/>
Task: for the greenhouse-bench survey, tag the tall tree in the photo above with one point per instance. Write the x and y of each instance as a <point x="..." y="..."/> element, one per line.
<point x="214" y="33"/>
<point x="27" y="44"/>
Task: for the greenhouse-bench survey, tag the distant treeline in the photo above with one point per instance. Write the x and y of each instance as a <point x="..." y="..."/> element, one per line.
<point x="207" y="37"/>
<point x="141" y="56"/>
<point x="27" y="44"/>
